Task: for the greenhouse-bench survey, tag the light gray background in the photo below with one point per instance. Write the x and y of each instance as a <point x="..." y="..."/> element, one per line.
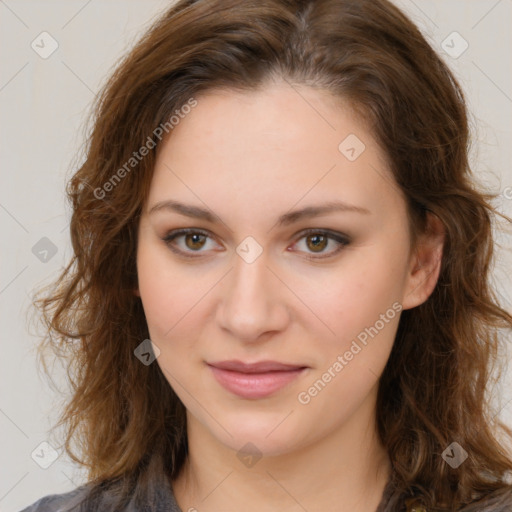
<point x="43" y="104"/>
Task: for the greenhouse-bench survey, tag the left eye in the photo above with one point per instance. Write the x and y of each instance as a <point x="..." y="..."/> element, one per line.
<point x="316" y="242"/>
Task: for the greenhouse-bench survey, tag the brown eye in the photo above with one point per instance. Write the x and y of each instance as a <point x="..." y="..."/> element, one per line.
<point x="317" y="243"/>
<point x="195" y="241"/>
<point x="186" y="242"/>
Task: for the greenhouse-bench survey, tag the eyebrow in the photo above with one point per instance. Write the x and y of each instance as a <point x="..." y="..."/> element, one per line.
<point x="284" y="220"/>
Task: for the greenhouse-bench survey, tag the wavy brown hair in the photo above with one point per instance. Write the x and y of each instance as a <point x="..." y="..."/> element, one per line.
<point x="124" y="423"/>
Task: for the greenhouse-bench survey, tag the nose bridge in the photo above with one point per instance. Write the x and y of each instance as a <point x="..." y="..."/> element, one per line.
<point x="251" y="303"/>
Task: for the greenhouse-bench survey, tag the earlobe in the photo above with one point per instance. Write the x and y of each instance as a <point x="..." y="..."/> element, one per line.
<point x="425" y="263"/>
<point x="136" y="292"/>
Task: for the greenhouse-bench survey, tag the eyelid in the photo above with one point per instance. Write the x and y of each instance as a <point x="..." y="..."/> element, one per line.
<point x="172" y="235"/>
<point x="341" y="239"/>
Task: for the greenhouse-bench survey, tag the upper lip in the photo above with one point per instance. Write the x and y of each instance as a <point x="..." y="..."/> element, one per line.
<point x="258" y="367"/>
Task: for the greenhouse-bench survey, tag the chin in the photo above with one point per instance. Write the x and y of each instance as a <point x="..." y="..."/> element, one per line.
<point x="266" y="436"/>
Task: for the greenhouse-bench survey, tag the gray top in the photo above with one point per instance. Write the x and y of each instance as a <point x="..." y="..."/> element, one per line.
<point x="161" y="499"/>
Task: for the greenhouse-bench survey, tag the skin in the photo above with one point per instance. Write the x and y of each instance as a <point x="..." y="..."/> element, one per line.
<point x="250" y="157"/>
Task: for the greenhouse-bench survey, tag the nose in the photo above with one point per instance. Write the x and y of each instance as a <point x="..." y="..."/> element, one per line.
<point x="253" y="301"/>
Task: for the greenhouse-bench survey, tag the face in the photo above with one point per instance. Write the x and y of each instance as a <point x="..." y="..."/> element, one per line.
<point x="239" y="258"/>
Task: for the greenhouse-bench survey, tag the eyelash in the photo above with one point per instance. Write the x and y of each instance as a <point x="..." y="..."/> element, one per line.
<point x="342" y="240"/>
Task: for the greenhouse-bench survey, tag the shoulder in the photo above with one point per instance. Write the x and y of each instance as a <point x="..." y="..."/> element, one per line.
<point x="499" y="500"/>
<point x="68" y="501"/>
<point x="157" y="497"/>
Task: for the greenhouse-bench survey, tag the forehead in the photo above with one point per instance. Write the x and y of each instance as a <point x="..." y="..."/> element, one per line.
<point x="274" y="145"/>
<point x="276" y="117"/>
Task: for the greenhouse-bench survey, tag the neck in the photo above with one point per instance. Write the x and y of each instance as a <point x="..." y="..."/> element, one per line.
<point x="345" y="471"/>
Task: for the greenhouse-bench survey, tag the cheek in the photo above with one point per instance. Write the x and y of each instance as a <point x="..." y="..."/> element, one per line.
<point x="363" y="311"/>
<point x="354" y="295"/>
<point x="165" y="292"/>
<point x="176" y="302"/>
<point x="170" y="303"/>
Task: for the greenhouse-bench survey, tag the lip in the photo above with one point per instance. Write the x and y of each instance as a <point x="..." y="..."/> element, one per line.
<point x="254" y="380"/>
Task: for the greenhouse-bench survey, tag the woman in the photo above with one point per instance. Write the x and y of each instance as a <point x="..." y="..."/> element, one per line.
<point x="280" y="290"/>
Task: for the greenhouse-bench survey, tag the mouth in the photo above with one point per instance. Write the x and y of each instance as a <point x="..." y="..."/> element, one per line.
<point x="255" y="380"/>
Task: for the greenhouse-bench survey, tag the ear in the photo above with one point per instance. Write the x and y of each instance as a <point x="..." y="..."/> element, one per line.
<point x="136" y="292"/>
<point x="424" y="263"/>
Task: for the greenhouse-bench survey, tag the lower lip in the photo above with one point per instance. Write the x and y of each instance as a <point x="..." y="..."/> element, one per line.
<point x="254" y="385"/>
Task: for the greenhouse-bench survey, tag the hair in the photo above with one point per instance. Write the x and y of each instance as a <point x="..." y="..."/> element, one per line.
<point x="123" y="422"/>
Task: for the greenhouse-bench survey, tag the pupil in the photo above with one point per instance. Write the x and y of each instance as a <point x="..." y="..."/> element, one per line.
<point x="318" y="241"/>
<point x="195" y="241"/>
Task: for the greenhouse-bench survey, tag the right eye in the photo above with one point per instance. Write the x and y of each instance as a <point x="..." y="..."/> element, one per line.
<point x="192" y="241"/>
